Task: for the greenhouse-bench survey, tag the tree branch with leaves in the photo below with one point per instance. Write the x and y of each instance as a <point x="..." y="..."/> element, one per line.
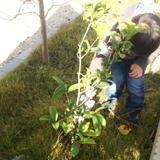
<point x="77" y="115"/>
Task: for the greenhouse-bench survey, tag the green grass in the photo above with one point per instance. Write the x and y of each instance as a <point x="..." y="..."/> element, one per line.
<point x="25" y="95"/>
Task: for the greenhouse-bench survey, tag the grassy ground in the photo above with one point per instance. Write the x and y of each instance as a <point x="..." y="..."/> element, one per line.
<point x="25" y="95"/>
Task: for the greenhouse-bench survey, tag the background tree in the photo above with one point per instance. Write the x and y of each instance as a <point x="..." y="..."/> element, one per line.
<point x="42" y="15"/>
<point x="43" y="32"/>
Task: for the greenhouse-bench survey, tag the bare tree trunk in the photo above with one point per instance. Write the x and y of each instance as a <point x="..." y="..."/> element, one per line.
<point x="43" y="32"/>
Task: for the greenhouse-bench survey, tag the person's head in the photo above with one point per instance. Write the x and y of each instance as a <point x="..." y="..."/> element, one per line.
<point x="146" y="41"/>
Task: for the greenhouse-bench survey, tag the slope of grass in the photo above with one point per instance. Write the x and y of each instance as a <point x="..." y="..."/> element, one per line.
<point x="25" y="95"/>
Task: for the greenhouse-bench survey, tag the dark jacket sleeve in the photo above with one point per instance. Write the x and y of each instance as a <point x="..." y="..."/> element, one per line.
<point x="144" y="61"/>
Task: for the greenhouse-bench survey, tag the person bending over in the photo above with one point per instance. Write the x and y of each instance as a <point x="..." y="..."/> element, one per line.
<point x="130" y="70"/>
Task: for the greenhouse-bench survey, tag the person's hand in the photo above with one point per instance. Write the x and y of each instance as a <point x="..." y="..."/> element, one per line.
<point x="136" y="71"/>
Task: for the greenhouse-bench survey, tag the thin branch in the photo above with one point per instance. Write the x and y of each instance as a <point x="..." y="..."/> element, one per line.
<point x="23" y="3"/>
<point x="81" y="62"/>
<point x="83" y="91"/>
<point x="91" y="46"/>
<point x="18" y="13"/>
<point x="85" y="34"/>
<point x="67" y="97"/>
<point x="83" y="103"/>
<point x="94" y="85"/>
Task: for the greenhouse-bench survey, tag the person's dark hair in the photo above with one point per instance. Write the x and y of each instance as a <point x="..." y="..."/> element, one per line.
<point x="146" y="41"/>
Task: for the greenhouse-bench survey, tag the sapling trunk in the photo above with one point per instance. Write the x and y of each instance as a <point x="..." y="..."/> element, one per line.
<point x="80" y="62"/>
<point x="84" y="99"/>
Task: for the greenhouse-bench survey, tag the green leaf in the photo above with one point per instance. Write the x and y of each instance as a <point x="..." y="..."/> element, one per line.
<point x="89" y="115"/>
<point x="83" y="126"/>
<point x="119" y="21"/>
<point x="137" y="29"/>
<point x="104" y="6"/>
<point x="66" y="87"/>
<point x="92" y="13"/>
<point x="100" y="108"/>
<point x="64" y="126"/>
<point x="87" y="4"/>
<point x="74" y="87"/>
<point x="60" y="114"/>
<point x="129" y="29"/>
<point x="121" y="43"/>
<point x="87" y="141"/>
<point x="96" y="29"/>
<point x="127" y="45"/>
<point x="80" y="50"/>
<point x="112" y="34"/>
<point x="101" y="119"/>
<point x="74" y="149"/>
<point x="61" y="83"/>
<point x="53" y="113"/>
<point x="58" y="93"/>
<point x="80" y="136"/>
<point x="103" y="27"/>
<point x="70" y="118"/>
<point x="99" y="13"/>
<point x="67" y="112"/>
<point x="88" y="45"/>
<point x="55" y="125"/>
<point x="81" y="74"/>
<point x="114" y="44"/>
<point x="90" y="133"/>
<point x="106" y="12"/>
<point x="122" y="55"/>
<point x="107" y="59"/>
<point x="45" y="117"/>
<point x="88" y="72"/>
<point x="124" y="32"/>
<point x="85" y="82"/>
<point x="98" y="72"/>
<point x="97" y="125"/>
<point x="95" y="49"/>
<point x="116" y="60"/>
<point x="128" y="36"/>
<point x="65" y="105"/>
<point x="106" y="73"/>
<point x="102" y="85"/>
<point x="75" y="137"/>
<point x="80" y="110"/>
<point x="72" y="104"/>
